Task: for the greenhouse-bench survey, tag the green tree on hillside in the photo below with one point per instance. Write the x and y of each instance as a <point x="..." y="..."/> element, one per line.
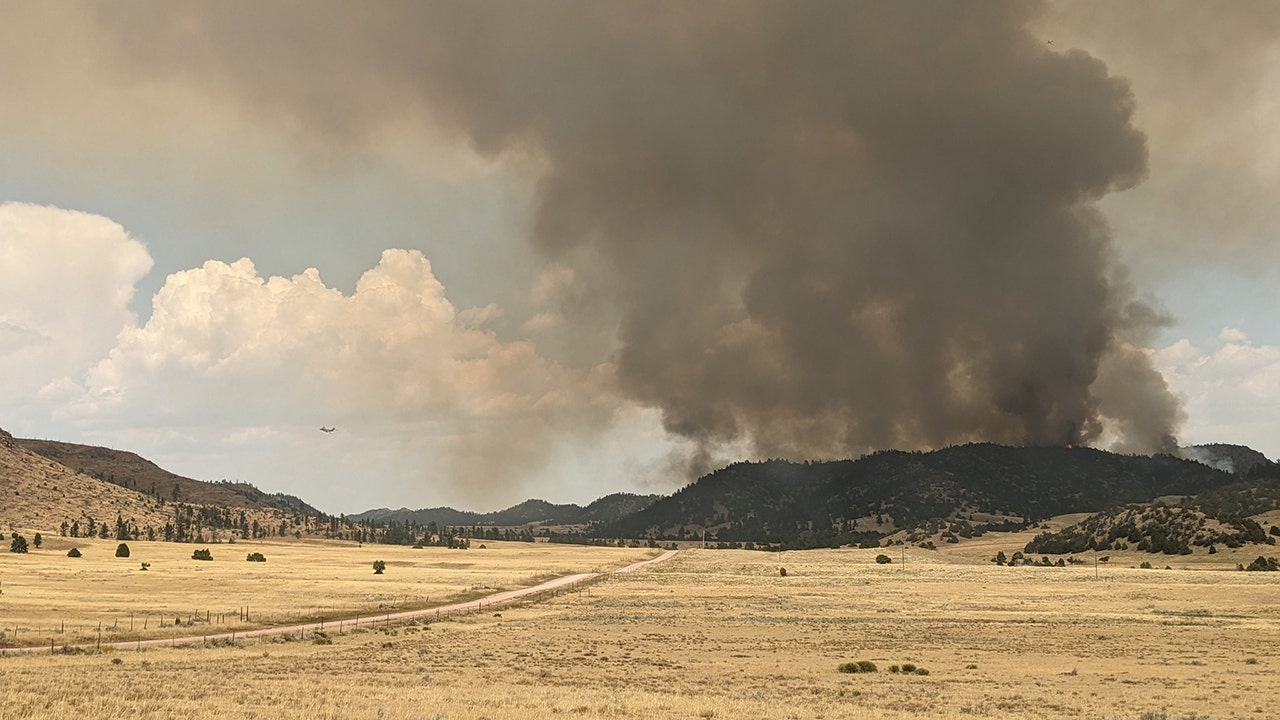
<point x="122" y="550"/>
<point x="19" y="544"/>
<point x="378" y="566"/>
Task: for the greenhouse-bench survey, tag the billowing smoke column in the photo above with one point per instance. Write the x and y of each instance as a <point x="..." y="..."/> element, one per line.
<point x="822" y="226"/>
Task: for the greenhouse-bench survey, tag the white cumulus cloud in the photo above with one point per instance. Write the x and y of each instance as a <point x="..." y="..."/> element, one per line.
<point x="66" y="280"/>
<point x="230" y="354"/>
<point x="1231" y="389"/>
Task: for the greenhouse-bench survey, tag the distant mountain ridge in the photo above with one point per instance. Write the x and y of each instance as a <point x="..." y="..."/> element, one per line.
<point x="607" y="509"/>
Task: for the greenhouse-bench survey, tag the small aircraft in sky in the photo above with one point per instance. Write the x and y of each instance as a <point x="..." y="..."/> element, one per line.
<point x="327" y="429"/>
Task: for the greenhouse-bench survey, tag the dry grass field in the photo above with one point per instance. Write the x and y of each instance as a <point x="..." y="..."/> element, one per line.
<point x="45" y="595"/>
<point x="721" y="634"/>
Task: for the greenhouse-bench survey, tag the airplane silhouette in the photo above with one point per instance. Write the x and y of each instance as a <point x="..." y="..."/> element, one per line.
<point x="327" y="429"/>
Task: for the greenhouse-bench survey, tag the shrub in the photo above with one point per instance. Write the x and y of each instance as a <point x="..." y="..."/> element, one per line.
<point x="782" y="572"/>
<point x="861" y="666"/>
<point x="883" y="559"/>
<point x="1264" y="564"/>
<point x="73" y="552"/>
<point x="379" y="566"/>
<point x="122" y="550"/>
<point x="146" y="566"/>
<point x="202" y="554"/>
<point x="908" y="668"/>
<point x="256" y="557"/>
<point x="921" y="671"/>
<point x="1145" y="565"/>
<point x="19" y="544"/>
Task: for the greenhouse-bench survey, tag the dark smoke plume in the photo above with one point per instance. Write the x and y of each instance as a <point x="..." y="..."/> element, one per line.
<point x="823" y="226"/>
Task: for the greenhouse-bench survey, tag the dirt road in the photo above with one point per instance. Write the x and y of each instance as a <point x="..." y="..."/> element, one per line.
<point x="489" y="601"/>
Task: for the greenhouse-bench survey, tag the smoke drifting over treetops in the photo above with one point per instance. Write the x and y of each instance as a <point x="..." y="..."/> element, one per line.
<point x="822" y="227"/>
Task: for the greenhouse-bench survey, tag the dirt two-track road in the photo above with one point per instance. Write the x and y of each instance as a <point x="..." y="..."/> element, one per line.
<point x="489" y="601"/>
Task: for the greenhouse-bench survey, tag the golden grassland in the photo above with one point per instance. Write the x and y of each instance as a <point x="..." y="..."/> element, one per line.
<point x="721" y="634"/>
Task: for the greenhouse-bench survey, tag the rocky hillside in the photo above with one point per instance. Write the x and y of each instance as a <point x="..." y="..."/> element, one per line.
<point x="58" y="488"/>
<point x="129" y="470"/>
<point x="40" y="494"/>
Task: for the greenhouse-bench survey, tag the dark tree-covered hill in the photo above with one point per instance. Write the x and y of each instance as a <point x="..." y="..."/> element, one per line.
<point x="825" y="503"/>
<point x="1151" y="528"/>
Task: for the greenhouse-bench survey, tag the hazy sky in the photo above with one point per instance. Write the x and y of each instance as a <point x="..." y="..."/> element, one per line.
<point x="560" y="249"/>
